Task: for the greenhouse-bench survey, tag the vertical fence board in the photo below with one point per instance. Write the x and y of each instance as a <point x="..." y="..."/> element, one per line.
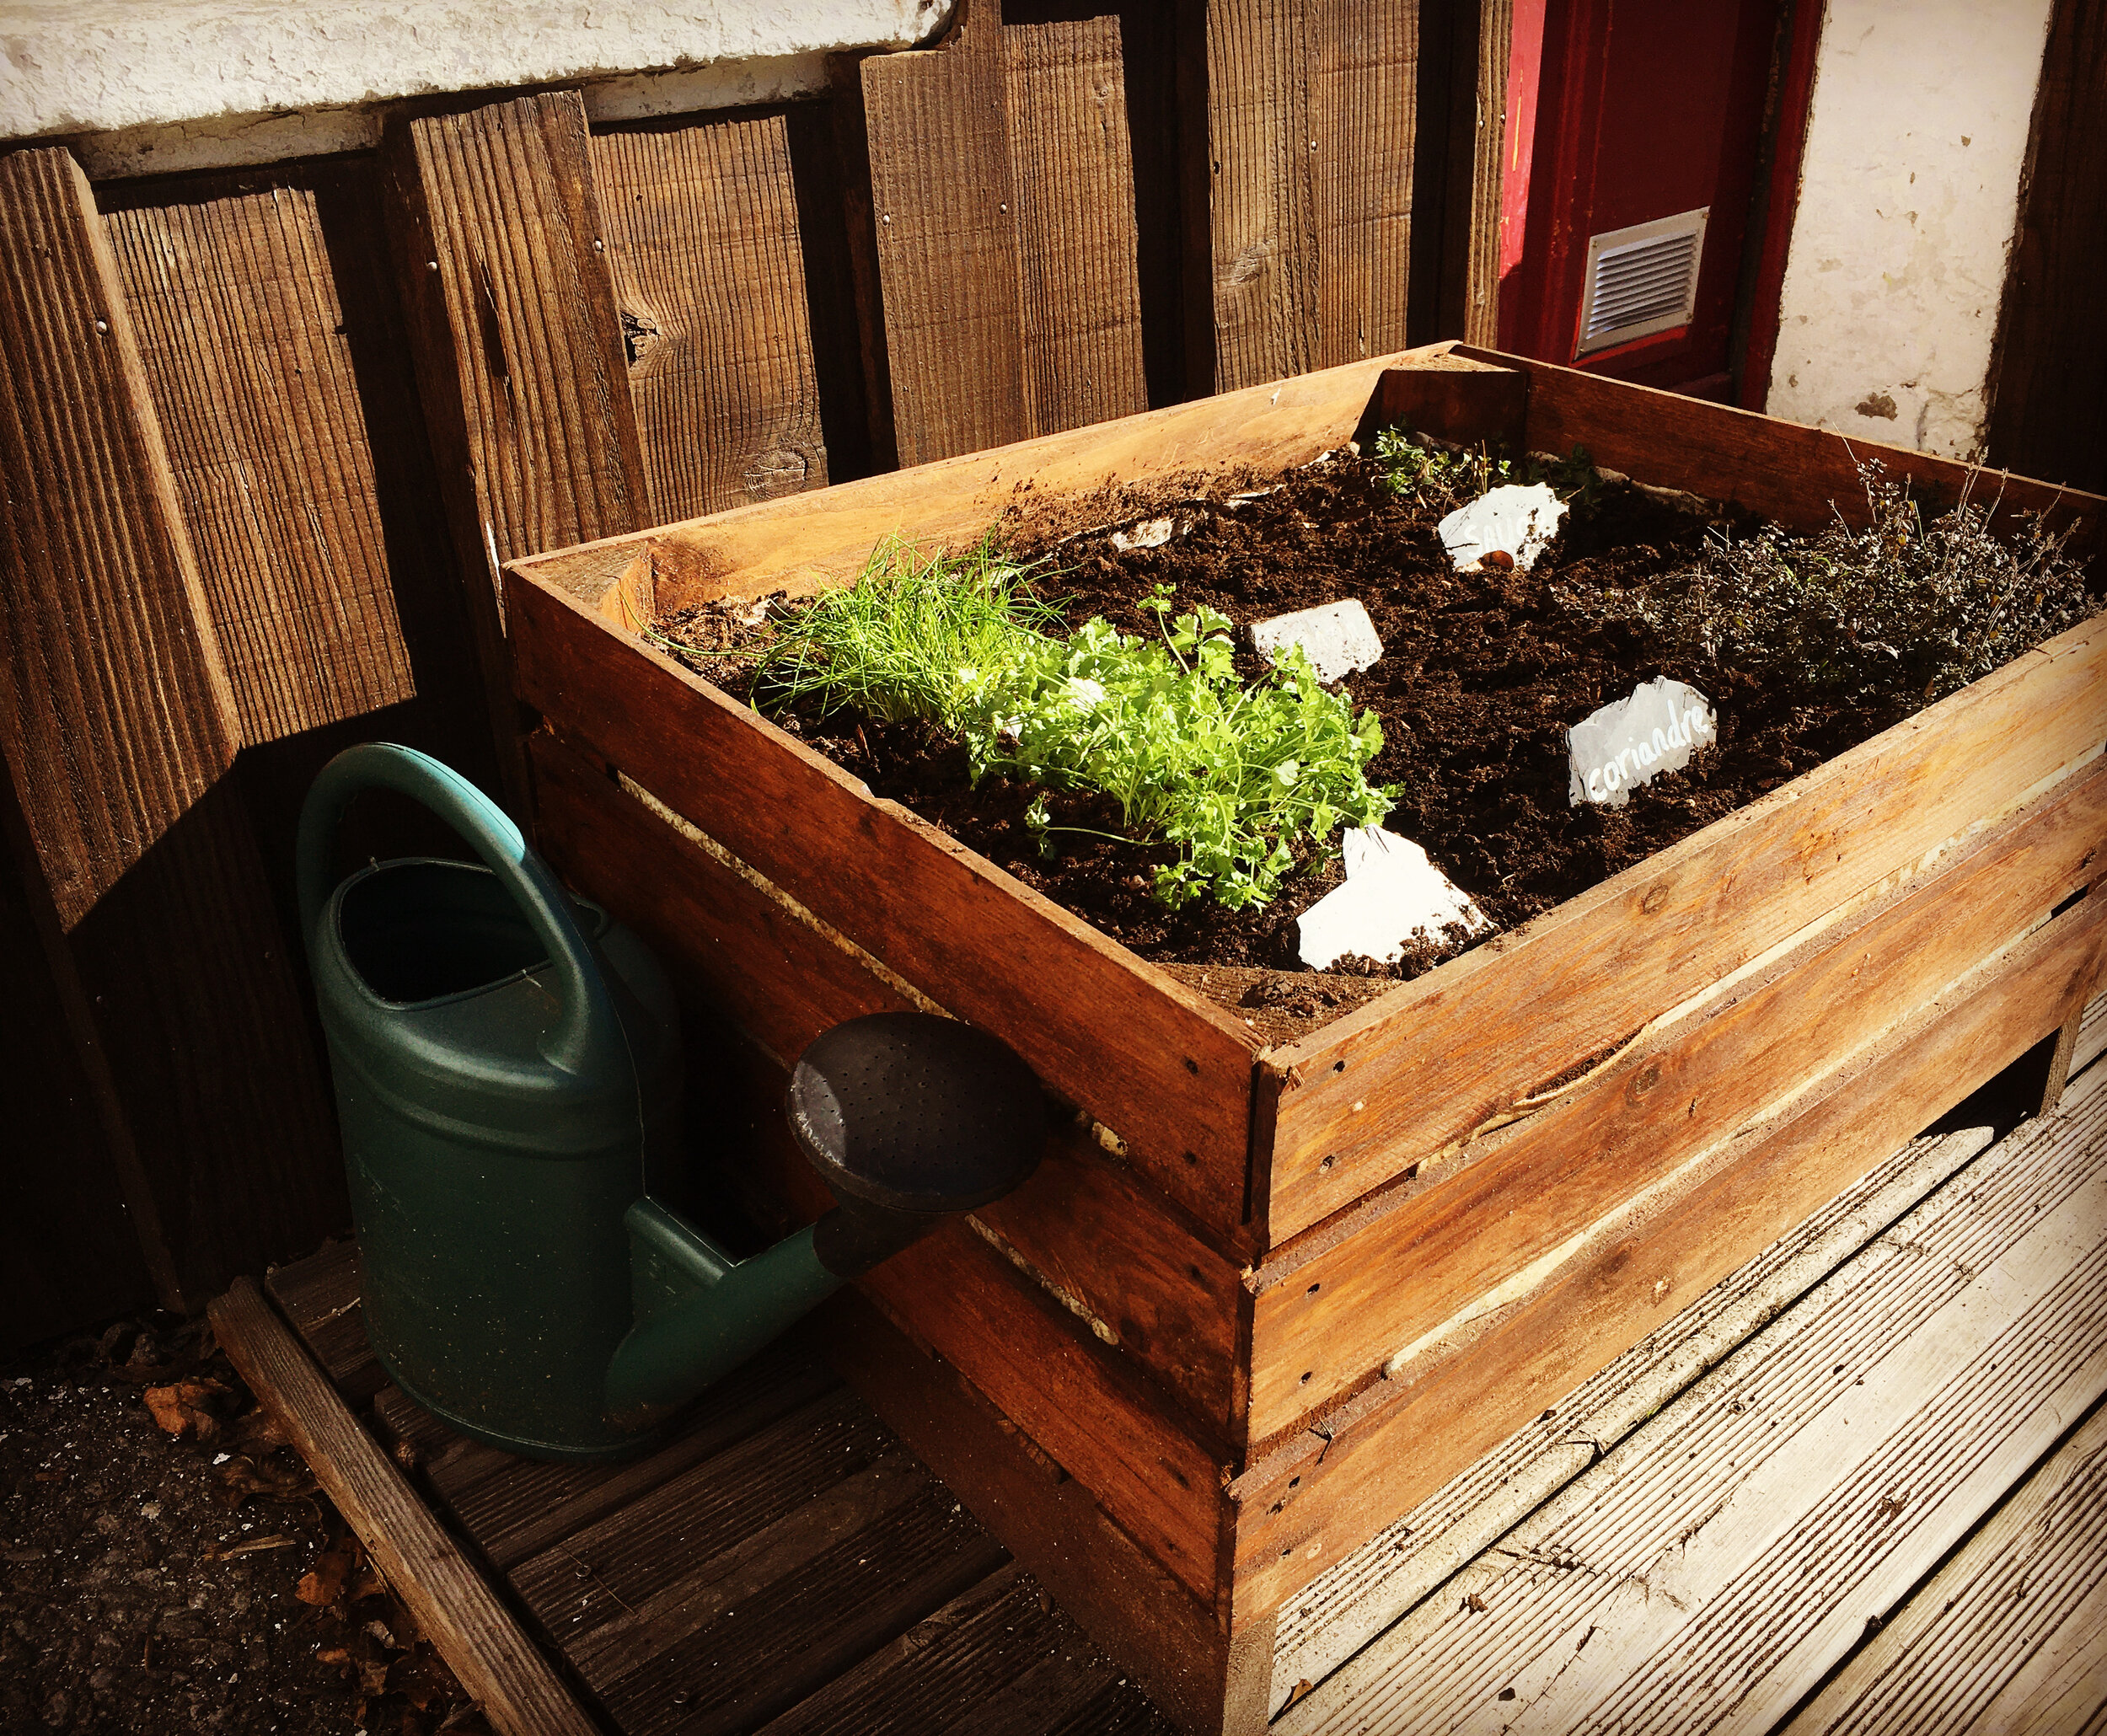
<point x="1310" y="111"/>
<point x="247" y="351"/>
<point x="1072" y="174"/>
<point x="1482" y="286"/>
<point x="947" y="241"/>
<point x="119" y="729"/>
<point x="710" y="288"/>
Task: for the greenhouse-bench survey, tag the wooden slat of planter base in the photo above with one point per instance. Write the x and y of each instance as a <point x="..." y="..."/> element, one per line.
<point x="513" y="1684"/>
<point x="247" y="343"/>
<point x="710" y="284"/>
<point x="1072" y="188"/>
<point x="1454" y="1405"/>
<point x="1785" y="470"/>
<point x="1331" y="1620"/>
<point x="1673" y="1106"/>
<point x="946" y="240"/>
<point x="1310" y="132"/>
<point x="119" y="729"/>
<point x="1458" y="1048"/>
<point x="1153" y="1469"/>
<point x="2011" y="1634"/>
<point x="829" y="535"/>
<point x="1466" y="401"/>
<point x="1083" y="1224"/>
<point x="1168" y="1071"/>
<point x="1123" y="1599"/>
<point x="1738" y="1546"/>
<point x="1000" y="1648"/>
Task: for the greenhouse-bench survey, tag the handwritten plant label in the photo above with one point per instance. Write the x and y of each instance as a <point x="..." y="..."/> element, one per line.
<point x="1392" y="892"/>
<point x="1507" y="527"/>
<point x="1631" y="742"/>
<point x="1338" y="638"/>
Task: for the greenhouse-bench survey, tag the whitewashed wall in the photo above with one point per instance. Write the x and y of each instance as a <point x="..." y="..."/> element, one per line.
<point x="1908" y="204"/>
<point x="155" y="85"/>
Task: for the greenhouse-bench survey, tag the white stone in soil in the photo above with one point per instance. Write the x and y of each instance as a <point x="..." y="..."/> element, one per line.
<point x="1150" y="533"/>
<point x="1338" y="638"/>
<point x="1391" y="893"/>
<point x="1632" y="742"/>
<point x="1519" y="521"/>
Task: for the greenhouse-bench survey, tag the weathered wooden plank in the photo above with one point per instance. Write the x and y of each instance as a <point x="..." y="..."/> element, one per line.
<point x="245" y="337"/>
<point x="512" y="316"/>
<point x="1155" y="1470"/>
<point x="947" y="240"/>
<point x="1084" y="1224"/>
<point x="1713" y="1568"/>
<point x="1481" y="273"/>
<point x="1310" y="1504"/>
<point x="1000" y="1648"/>
<point x="1072" y="183"/>
<point x="709" y="287"/>
<point x="514" y="1685"/>
<point x="1120" y="1596"/>
<point x="1309" y="135"/>
<point x="1170" y="1072"/>
<point x="119" y="728"/>
<point x="1785" y="470"/>
<point x="2049" y="379"/>
<point x="319" y="1295"/>
<point x="1331" y="1620"/>
<point x="2011" y="1634"/>
<point x="829" y="535"/>
<point x="1461" y="1045"/>
<point x="1332" y="1309"/>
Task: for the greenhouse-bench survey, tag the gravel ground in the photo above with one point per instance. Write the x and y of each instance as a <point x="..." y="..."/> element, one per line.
<point x="167" y="1564"/>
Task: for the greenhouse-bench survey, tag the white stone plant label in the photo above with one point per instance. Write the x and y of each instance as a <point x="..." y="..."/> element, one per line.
<point x="1631" y="742"/>
<point x="1392" y="892"/>
<point x="1338" y="638"/>
<point x="1512" y="523"/>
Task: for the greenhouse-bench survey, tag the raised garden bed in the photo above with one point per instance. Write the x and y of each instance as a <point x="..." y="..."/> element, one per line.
<point x="1262" y="1299"/>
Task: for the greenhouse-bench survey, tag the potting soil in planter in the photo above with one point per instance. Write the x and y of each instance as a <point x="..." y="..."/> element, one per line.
<point x="1481" y="675"/>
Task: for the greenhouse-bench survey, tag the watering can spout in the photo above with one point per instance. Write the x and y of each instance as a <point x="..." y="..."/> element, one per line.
<point x="909" y="1118"/>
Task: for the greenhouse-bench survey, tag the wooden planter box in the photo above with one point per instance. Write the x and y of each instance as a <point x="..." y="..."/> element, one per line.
<point x="1206" y="1359"/>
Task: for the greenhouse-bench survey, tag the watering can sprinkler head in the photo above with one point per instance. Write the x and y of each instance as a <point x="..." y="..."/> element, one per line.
<point x="507" y="1069"/>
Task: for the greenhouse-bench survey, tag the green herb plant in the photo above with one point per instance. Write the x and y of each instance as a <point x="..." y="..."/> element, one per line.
<point x="1441" y="478"/>
<point x="1902" y="609"/>
<point x="1238" y="779"/>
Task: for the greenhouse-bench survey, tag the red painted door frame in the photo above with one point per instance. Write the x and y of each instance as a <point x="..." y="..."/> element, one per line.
<point x="1555" y="77"/>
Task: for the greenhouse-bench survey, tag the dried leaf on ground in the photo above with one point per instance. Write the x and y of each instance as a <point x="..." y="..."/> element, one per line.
<point x="183" y="1409"/>
<point x="323" y="1584"/>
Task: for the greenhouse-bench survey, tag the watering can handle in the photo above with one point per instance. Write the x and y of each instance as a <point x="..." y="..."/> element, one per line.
<point x="587" y="1011"/>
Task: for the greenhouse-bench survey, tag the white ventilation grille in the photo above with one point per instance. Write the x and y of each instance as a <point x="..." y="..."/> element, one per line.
<point x="1641" y="280"/>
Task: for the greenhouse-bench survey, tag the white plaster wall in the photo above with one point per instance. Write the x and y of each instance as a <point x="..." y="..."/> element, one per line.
<point x="1908" y="200"/>
<point x="165" y="82"/>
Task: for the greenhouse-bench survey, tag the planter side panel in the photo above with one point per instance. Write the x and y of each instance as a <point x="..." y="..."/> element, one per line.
<point x="1086" y="1227"/>
<point x="1314" y="1501"/>
<point x="1362" y="1101"/>
<point x="1170" y="1072"/>
<point x="1785" y="470"/>
<point x="1331" y="1312"/>
<point x="828" y="534"/>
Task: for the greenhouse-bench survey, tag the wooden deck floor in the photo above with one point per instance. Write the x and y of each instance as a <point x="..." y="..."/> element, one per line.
<point x="1860" y="1486"/>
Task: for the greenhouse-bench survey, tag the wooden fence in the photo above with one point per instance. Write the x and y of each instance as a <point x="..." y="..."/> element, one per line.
<point x="266" y="434"/>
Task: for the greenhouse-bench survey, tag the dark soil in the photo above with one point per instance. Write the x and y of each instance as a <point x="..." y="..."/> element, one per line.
<point x="151" y="1580"/>
<point x="1481" y="677"/>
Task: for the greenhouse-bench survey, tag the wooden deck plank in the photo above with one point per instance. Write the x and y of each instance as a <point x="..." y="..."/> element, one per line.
<point x="1721" y="1560"/>
<point x="998" y="1660"/>
<point x="1349" y="1606"/>
<point x="319" y="1295"/>
<point x="2011" y="1634"/>
<point x="518" y="1691"/>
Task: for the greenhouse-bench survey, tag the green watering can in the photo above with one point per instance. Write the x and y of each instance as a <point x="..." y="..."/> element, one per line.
<point x="507" y="1070"/>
